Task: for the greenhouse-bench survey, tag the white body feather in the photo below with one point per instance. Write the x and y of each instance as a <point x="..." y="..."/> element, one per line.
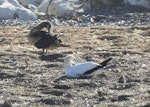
<point x="79" y="69"/>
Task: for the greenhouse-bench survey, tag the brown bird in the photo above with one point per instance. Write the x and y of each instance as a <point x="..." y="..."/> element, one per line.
<point x="43" y="39"/>
<point x="42" y="25"/>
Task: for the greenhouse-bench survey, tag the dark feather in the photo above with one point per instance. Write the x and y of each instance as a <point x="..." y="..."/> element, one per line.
<point x="102" y="64"/>
<point x="42" y="39"/>
<point x="46" y="40"/>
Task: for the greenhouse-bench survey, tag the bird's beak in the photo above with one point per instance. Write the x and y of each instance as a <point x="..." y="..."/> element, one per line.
<point x="76" y="61"/>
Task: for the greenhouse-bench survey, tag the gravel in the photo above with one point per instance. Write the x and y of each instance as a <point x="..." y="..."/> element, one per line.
<point x="122" y="15"/>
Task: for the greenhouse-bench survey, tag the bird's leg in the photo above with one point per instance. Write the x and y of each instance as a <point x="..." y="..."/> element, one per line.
<point x="44" y="51"/>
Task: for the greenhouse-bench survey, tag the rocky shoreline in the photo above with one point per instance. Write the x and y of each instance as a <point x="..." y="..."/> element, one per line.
<point x="122" y="15"/>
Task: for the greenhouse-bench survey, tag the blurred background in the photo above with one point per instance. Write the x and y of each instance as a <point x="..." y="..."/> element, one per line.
<point x="75" y="12"/>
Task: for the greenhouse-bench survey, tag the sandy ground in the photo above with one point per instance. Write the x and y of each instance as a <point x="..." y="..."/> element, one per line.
<point x="28" y="79"/>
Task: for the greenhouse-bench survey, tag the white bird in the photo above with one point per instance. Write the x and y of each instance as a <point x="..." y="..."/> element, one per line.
<point x="73" y="69"/>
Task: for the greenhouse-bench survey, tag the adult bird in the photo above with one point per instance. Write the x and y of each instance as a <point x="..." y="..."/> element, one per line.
<point x="73" y="69"/>
<point x="43" y="39"/>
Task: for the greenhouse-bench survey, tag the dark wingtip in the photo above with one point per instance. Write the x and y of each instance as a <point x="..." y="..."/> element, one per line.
<point x="104" y="63"/>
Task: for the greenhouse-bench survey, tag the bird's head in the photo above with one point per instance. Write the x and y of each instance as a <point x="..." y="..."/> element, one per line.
<point x="69" y="60"/>
<point x="40" y="26"/>
<point x="47" y="25"/>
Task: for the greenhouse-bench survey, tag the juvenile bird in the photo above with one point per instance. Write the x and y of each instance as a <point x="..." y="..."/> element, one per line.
<point x="73" y="69"/>
<point x="43" y="39"/>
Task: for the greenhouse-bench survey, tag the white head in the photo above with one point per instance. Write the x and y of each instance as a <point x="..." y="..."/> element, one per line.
<point x="69" y="60"/>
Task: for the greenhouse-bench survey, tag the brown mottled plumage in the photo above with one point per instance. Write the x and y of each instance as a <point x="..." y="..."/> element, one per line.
<point x="43" y="39"/>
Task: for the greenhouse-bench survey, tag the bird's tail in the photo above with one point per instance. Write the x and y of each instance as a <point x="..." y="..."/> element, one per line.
<point x="104" y="63"/>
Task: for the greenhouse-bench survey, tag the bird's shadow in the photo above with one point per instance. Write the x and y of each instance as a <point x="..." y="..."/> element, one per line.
<point x="51" y="57"/>
<point x="65" y="78"/>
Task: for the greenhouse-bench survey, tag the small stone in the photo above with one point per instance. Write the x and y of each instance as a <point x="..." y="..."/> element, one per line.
<point x="122" y="79"/>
